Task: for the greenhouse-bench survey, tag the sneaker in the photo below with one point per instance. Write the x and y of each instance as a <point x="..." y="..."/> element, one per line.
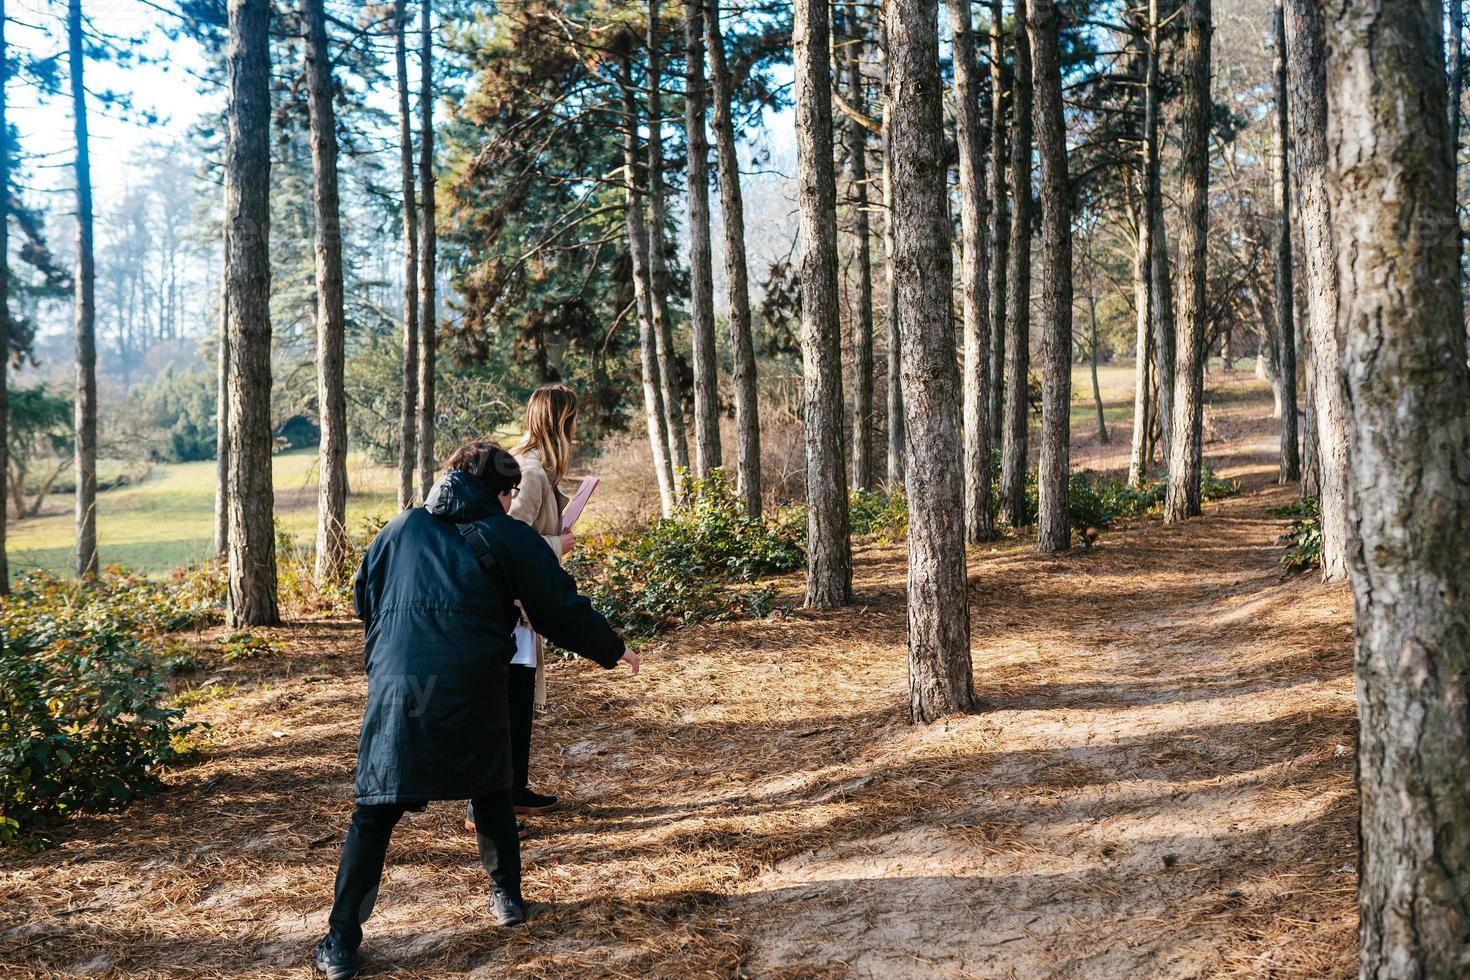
<point x="527" y="801"/>
<point x="508" y="909"/>
<point x="334" y="960"/>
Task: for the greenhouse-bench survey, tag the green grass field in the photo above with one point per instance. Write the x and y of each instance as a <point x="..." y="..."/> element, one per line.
<point x="167" y="520"/>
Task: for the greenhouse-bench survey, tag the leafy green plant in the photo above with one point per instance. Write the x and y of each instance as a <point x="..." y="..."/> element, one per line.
<point x="84" y="719"/>
<point x="1212" y="487"/>
<point x="674" y="572"/>
<point x="1093" y="501"/>
<point x="878" y="512"/>
<point x="1303" y="538"/>
<point x="243" y="646"/>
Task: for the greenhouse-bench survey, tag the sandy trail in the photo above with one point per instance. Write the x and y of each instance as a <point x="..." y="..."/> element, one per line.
<point x="1162" y="786"/>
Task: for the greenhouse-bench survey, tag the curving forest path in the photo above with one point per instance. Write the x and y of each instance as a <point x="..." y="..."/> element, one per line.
<point x="1162" y="785"/>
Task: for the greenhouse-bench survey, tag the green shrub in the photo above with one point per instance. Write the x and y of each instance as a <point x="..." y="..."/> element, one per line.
<point x="878" y="512"/>
<point x="1303" y="539"/>
<point x="247" y="646"/>
<point x="84" y="721"/>
<point x="1093" y="501"/>
<point x="675" y="571"/>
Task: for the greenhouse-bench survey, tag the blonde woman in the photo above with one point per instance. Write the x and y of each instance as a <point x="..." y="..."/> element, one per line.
<point x="544" y="453"/>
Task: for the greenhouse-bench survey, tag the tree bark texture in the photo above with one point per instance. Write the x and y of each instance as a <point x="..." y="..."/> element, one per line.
<point x="862" y="328"/>
<point x="663" y="328"/>
<point x="222" y="421"/>
<point x="829" y="556"/>
<point x="939" y="623"/>
<point x="409" y="397"/>
<point x="701" y="263"/>
<point x="1164" y="325"/>
<point x="1018" y="283"/>
<point x="252" y="559"/>
<point x="85" y="414"/>
<point x="1391" y="191"/>
<point x="897" y="450"/>
<point x="653" y="408"/>
<point x="737" y="277"/>
<point x="1306" y="71"/>
<point x="428" y="256"/>
<point x="1000" y="231"/>
<point x="332" y="546"/>
<point x="974" y="276"/>
<point x="1144" y="350"/>
<point x="1290" y="469"/>
<point x="1182" y="497"/>
<point x="1053" y="525"/>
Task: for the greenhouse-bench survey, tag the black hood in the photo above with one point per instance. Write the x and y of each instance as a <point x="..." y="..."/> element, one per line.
<point x="461" y="497"/>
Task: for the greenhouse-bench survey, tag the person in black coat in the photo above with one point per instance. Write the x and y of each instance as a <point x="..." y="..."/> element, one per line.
<point x="437" y="592"/>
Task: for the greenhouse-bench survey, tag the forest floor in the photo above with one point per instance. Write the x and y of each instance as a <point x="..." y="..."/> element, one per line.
<point x="1161" y="785"/>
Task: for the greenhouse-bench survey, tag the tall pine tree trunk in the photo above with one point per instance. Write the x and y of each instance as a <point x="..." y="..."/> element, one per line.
<point x="331" y="327"/>
<point x="1142" y="292"/>
<point x="1392" y="195"/>
<point x="1182" y="497"/>
<point x="1093" y="345"/>
<point x="653" y="406"/>
<point x="1018" y="282"/>
<point x="732" y="207"/>
<point x="252" y="560"/>
<point x="428" y="257"/>
<point x="829" y="555"/>
<point x="862" y="333"/>
<point x="4" y="313"/>
<point x="1053" y="527"/>
<point x="409" y="395"/>
<point x="974" y="276"/>
<point x="1306" y="71"/>
<point x="222" y="418"/>
<point x="1161" y="289"/>
<point x="897" y="454"/>
<point x="1290" y="469"/>
<point x="663" y="328"/>
<point x="85" y="416"/>
<point x="1000" y="234"/>
<point x="701" y="272"/>
<point x="939" y="622"/>
<point x="1143" y="348"/>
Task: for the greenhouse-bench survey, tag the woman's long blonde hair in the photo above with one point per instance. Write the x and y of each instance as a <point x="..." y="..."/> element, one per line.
<point x="550" y="415"/>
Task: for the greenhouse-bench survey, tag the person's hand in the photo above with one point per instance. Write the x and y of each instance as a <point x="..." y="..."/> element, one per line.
<point x="568" y="542"/>
<point x="631" y="659"/>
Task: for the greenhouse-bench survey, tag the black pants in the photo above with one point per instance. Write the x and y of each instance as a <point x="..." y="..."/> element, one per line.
<point x="366" y="848"/>
<point x="521" y="693"/>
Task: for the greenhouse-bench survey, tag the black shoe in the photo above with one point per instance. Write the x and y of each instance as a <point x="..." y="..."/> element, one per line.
<point x="527" y="801"/>
<point x="508" y="909"/>
<point x="334" y="960"/>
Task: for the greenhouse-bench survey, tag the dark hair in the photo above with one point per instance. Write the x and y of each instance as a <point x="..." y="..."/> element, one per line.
<point x="485" y="459"/>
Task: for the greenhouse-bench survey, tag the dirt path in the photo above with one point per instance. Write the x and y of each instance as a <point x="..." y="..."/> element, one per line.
<point x="1162" y="787"/>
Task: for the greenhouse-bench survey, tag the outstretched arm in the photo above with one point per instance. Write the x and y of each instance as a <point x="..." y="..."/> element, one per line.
<point x="558" y="612"/>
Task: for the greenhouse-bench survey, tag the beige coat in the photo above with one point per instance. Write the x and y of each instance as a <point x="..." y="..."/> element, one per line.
<point x="539" y="504"/>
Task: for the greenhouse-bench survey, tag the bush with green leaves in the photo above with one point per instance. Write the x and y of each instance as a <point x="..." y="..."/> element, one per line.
<point x="1094" y="501"/>
<point x="677" y="570"/>
<point x="84" y="715"/>
<point x="1303" y="538"/>
<point x="878" y="512"/>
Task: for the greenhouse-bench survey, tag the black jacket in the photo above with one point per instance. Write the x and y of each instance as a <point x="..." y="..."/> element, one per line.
<point x="439" y="608"/>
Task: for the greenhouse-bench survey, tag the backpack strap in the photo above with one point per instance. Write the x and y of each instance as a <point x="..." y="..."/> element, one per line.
<point x="474" y="536"/>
